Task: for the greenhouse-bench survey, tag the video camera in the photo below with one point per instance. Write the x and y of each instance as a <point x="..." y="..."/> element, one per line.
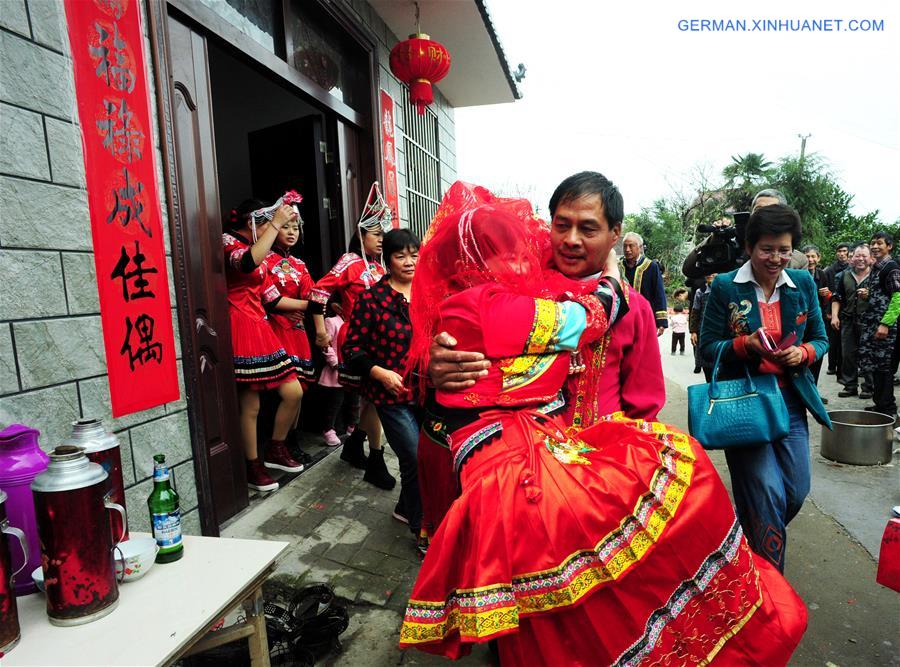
<point x="721" y="251"/>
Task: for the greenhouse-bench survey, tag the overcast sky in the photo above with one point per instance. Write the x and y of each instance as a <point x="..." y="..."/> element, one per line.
<point x="618" y="88"/>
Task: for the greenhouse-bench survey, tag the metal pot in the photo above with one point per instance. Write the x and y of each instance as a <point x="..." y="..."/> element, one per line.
<point x="76" y="541"/>
<point x="9" y="614"/>
<point x="103" y="448"/>
<point x="858" y="437"/>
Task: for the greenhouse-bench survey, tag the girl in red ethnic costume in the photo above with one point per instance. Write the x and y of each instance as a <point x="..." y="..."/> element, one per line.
<point x="356" y="271"/>
<point x="260" y="360"/>
<point x="612" y="545"/>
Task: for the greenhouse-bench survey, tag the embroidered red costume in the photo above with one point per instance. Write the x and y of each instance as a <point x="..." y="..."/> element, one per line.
<point x="291" y="278"/>
<point x="612" y="545"/>
<point x="260" y="360"/>
<point x="351" y="276"/>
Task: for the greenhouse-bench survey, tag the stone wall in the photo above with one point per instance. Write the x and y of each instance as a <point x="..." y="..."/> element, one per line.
<point x="52" y="364"/>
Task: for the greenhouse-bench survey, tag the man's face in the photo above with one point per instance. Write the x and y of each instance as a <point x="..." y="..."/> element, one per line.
<point x="631" y="249"/>
<point x="841" y="254"/>
<point x="879" y="248"/>
<point x="580" y="237"/>
<point x="764" y="201"/>
<point x="813" y="258"/>
<point x="861" y="258"/>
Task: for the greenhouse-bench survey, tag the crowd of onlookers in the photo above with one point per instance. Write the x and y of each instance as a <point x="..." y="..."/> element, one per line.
<point x="858" y="296"/>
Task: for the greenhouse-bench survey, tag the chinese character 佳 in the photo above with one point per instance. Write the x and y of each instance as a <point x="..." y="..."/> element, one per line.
<point x="140" y="282"/>
<point x="146" y="349"/>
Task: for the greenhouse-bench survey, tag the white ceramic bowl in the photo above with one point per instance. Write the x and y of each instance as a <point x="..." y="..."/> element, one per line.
<point x="136" y="556"/>
<point x="38" y="578"/>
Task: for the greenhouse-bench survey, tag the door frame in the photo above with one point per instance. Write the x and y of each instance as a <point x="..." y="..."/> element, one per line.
<point x="365" y="124"/>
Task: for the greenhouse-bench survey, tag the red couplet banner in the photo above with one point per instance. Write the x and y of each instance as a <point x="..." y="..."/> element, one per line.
<point x="389" y="156"/>
<point x="126" y="225"/>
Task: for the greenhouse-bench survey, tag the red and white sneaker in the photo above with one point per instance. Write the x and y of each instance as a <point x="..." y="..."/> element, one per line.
<point x="257" y="477"/>
<point x="279" y="458"/>
<point x="331" y="438"/>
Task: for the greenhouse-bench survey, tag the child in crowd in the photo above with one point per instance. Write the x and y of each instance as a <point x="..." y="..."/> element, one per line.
<point x="333" y="395"/>
<point x="678" y="321"/>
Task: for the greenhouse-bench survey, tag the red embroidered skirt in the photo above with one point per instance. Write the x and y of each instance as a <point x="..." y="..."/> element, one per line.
<point x="260" y="361"/>
<point x="618" y="546"/>
<point x="296" y="344"/>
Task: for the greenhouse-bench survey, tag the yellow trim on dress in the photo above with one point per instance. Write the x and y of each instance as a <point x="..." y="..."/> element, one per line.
<point x="482" y="624"/>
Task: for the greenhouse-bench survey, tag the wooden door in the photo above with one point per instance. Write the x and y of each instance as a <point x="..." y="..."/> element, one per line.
<point x="209" y="374"/>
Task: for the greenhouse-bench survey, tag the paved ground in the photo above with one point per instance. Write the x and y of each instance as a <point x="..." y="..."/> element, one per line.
<point x="341" y="531"/>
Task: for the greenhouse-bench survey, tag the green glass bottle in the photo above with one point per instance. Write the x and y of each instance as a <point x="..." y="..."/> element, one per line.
<point x="165" y="514"/>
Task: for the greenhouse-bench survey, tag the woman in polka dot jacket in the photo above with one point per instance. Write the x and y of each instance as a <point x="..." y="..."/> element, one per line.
<point x="376" y="346"/>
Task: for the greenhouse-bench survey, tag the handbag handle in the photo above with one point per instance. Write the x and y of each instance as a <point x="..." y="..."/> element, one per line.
<point x="714" y="379"/>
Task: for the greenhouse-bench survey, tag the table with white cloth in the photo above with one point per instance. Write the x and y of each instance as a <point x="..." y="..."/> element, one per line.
<point x="165" y="614"/>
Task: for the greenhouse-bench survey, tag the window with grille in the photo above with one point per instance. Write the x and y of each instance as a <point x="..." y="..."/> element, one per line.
<point x="423" y="176"/>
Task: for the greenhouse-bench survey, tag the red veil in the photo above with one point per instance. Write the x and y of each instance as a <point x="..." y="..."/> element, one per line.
<point x="477" y="237"/>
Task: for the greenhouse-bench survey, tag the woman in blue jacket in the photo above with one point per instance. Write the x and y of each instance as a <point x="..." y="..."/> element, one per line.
<point x="770" y="482"/>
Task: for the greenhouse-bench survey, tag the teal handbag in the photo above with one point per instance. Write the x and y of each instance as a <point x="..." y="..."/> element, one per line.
<point x="747" y="412"/>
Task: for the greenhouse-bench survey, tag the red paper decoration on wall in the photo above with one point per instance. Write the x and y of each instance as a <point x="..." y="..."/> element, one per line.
<point x="420" y="62"/>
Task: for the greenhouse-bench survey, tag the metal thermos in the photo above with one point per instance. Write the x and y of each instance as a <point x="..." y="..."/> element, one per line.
<point x="103" y="447"/>
<point x="76" y="541"/>
<point x="9" y="614"/>
<point x="21" y="460"/>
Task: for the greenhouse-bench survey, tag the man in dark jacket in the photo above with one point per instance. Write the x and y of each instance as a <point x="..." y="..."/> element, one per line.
<point x="835" y="351"/>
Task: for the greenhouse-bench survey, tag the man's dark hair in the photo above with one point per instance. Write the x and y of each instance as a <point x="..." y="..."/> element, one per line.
<point x="398" y="240"/>
<point x="774" y="220"/>
<point x="585" y="184"/>
<point x="842" y="245"/>
<point x="888" y="239"/>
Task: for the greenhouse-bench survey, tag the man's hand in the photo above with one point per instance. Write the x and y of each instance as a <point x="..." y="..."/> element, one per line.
<point x="791" y="356"/>
<point x="694" y="339"/>
<point x="823" y="292"/>
<point x="659" y="331"/>
<point x="881" y="332"/>
<point x="835" y="323"/>
<point x="451" y="370"/>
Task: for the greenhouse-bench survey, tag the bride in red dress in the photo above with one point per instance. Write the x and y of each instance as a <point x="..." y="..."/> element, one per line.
<point x="617" y="544"/>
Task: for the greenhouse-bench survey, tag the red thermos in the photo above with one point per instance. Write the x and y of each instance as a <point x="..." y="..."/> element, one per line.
<point x="102" y="447"/>
<point x="76" y="541"/>
<point x="9" y="614"/>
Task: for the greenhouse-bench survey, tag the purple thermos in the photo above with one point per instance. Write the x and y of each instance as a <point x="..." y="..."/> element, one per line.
<point x="21" y="460"/>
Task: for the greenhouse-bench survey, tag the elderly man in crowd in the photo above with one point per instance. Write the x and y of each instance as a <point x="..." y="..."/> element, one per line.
<point x="846" y="309"/>
<point x="645" y="275"/>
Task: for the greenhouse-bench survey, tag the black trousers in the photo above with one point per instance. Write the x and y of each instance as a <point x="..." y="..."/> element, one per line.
<point x="835" y="348"/>
<point x="678" y="340"/>
<point x="883" y="392"/>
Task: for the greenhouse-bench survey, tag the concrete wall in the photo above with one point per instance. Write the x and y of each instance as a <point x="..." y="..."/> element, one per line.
<point x="52" y="364"/>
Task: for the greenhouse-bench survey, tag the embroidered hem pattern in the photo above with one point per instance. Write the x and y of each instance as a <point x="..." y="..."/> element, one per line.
<point x="477" y="614"/>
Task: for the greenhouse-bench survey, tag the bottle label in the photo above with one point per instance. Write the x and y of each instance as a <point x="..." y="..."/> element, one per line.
<point x="160" y="473"/>
<point x="167" y="528"/>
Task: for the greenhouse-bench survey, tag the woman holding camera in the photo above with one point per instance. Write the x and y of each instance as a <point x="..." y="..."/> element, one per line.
<point x="771" y="481"/>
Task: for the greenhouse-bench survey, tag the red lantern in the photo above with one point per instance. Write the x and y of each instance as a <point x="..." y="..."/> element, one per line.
<point x="420" y="62"/>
